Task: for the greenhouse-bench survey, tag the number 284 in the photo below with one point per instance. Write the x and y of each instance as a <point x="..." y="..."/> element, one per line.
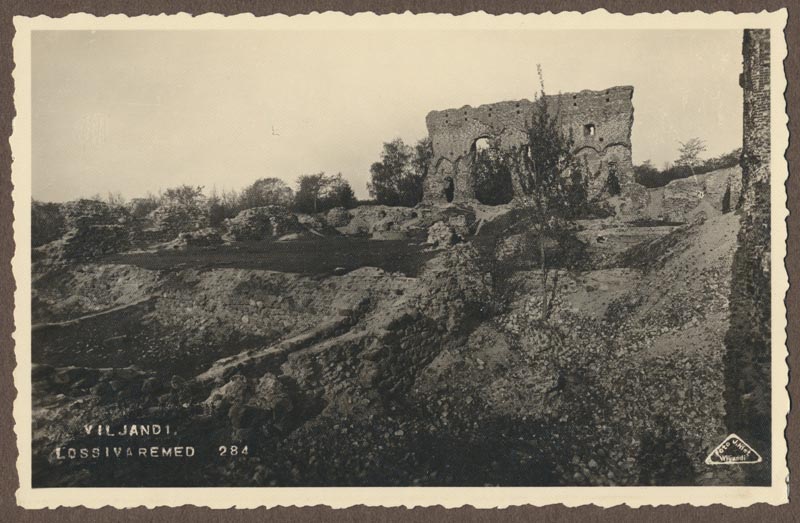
<point x="233" y="450"/>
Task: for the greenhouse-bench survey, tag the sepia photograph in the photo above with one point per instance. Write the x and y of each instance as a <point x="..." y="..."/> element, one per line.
<point x="408" y="251"/>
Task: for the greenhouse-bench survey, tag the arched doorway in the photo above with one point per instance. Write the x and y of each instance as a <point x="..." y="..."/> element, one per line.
<point x="490" y="175"/>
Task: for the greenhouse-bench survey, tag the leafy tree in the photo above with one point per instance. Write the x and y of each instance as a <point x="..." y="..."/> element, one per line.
<point x="689" y="153"/>
<point x="184" y="195"/>
<point x="310" y="191"/>
<point x="320" y="192"/>
<point x="397" y="178"/>
<point x="493" y="184"/>
<point x="266" y="191"/>
<point x="423" y="156"/>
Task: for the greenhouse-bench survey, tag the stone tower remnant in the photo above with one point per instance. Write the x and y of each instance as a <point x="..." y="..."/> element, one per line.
<point x="748" y="355"/>
<point x="600" y="123"/>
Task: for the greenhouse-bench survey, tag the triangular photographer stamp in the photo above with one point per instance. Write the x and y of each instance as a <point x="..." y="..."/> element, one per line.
<point x="733" y="451"/>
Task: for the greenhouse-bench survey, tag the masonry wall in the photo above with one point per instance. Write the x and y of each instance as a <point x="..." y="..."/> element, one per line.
<point x="748" y="341"/>
<point x="454" y="132"/>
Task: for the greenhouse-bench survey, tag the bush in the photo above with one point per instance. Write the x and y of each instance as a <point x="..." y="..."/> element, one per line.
<point x="47" y="223"/>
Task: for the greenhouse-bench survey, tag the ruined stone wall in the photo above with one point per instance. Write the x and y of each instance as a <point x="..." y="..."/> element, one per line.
<point x="600" y="123"/>
<point x="748" y="341"/>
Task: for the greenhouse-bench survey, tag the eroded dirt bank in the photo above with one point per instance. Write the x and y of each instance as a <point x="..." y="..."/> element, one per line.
<point x="379" y="378"/>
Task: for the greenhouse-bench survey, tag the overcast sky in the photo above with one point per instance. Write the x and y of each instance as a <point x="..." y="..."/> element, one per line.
<point x="139" y="111"/>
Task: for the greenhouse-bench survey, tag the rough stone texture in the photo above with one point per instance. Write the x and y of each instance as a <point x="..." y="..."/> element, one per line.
<point x="442" y="235"/>
<point x="201" y="238"/>
<point x="747" y="358"/>
<point x="262" y="222"/>
<point x="370" y="219"/>
<point x="231" y="393"/>
<point x="271" y="395"/>
<point x="338" y="217"/>
<point x="88" y="242"/>
<point x="47" y="223"/>
<point x="454" y="132"/>
<point x="84" y="213"/>
<point x="171" y="219"/>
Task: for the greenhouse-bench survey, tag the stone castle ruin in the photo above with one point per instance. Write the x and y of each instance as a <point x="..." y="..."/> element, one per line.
<point x="600" y="122"/>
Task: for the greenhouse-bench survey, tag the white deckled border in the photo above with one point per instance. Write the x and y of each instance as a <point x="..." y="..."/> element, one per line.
<point x="481" y="497"/>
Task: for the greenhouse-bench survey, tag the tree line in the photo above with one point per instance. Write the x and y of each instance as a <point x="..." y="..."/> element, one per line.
<point x="687" y="164"/>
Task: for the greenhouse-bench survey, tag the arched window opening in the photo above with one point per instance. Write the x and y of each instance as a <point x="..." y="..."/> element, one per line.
<point x="481" y="144"/>
<point x="449" y="189"/>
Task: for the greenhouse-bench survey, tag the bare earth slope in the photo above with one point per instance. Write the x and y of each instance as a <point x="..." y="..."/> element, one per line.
<point x="379" y="378"/>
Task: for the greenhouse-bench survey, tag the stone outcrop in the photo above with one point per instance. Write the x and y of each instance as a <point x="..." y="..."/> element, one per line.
<point x="338" y="217"/>
<point x="599" y="121"/>
<point x="89" y="242"/>
<point x="371" y="219"/>
<point x="260" y="223"/>
<point x="173" y="218"/>
<point x="84" y="213"/>
<point x="93" y="229"/>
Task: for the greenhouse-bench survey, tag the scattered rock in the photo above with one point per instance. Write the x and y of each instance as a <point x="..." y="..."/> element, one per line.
<point x="260" y="223"/>
<point x="442" y="235"/>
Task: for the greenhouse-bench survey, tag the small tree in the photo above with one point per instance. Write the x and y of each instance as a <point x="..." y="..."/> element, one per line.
<point x="340" y="194"/>
<point x="689" y="153"/>
<point x="545" y="168"/>
<point x="184" y="195"/>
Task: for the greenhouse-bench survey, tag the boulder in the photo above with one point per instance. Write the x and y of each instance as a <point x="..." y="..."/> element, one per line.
<point x="262" y="222"/>
<point x="271" y="395"/>
<point x="231" y="393"/>
<point x="441" y="234"/>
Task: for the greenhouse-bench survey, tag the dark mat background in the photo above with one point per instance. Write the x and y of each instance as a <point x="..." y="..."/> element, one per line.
<point x="57" y="8"/>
